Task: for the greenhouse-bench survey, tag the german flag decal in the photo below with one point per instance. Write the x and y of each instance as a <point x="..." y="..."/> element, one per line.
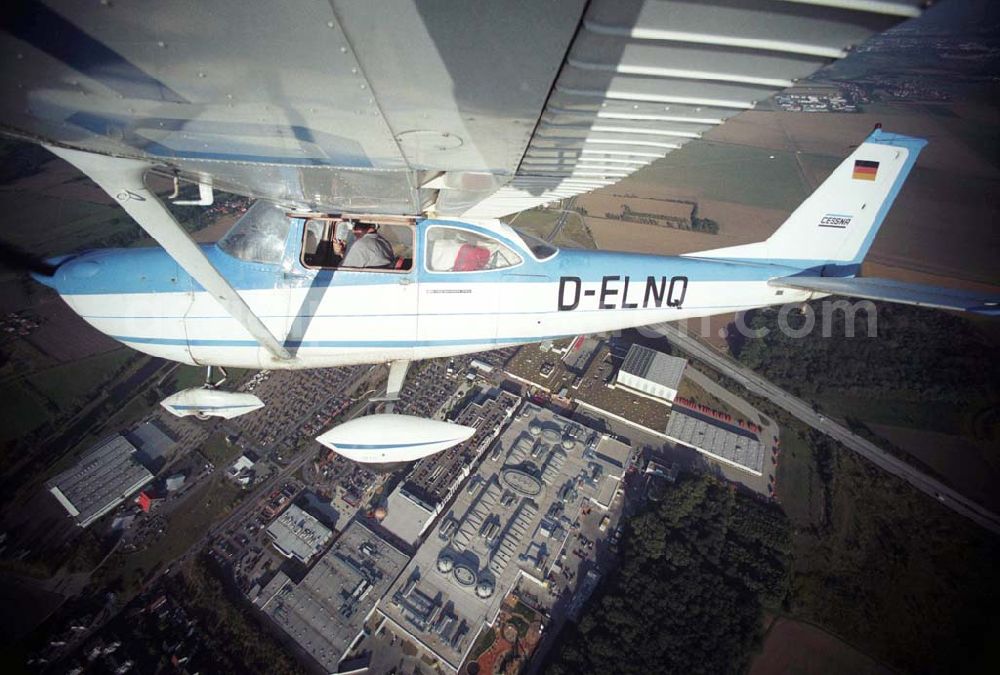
<point x="864" y="169"/>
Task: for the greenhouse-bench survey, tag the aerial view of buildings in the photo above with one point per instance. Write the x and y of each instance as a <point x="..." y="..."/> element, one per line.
<point x="675" y="495"/>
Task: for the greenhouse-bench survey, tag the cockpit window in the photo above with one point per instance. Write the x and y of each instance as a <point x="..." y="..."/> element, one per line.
<point x="540" y="249"/>
<point x="332" y="243"/>
<point x="454" y="250"/>
<point x="259" y="236"/>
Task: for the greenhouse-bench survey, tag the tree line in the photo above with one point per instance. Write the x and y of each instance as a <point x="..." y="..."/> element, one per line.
<point x="697" y="570"/>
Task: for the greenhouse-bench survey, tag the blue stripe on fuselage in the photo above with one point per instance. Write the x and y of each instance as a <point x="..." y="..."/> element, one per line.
<point x="298" y="344"/>
<point x="151" y="270"/>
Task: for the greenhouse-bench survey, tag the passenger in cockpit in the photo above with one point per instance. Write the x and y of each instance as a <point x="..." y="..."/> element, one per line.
<point x="370" y="249"/>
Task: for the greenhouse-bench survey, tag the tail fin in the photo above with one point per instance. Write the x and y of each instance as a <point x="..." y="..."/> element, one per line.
<point x="838" y="222"/>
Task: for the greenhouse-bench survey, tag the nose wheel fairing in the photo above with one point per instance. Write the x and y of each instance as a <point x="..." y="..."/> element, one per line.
<point x="206" y="403"/>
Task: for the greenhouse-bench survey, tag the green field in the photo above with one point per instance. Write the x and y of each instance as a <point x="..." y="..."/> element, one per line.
<point x="68" y="385"/>
<point x="185" y="526"/>
<point x="21" y="411"/>
<point x="218" y="451"/>
<point x="798" y="485"/>
<point x="184" y="377"/>
<point x="22" y="357"/>
<point x="48" y="225"/>
<point x="727" y="172"/>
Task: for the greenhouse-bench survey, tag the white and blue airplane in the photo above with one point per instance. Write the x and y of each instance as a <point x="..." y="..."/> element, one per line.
<point x="465" y="285"/>
<point x="432" y="121"/>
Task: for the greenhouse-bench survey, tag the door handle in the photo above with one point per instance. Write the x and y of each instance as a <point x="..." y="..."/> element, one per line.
<point x="405" y="281"/>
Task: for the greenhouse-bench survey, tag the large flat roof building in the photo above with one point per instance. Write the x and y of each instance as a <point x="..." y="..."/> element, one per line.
<point x="733" y="446"/>
<point x="508" y="522"/>
<point x="100" y="481"/>
<point x="325" y="613"/>
<point x="298" y="535"/>
<point x="152" y="441"/>
<point x="651" y="373"/>
<point x="407" y="515"/>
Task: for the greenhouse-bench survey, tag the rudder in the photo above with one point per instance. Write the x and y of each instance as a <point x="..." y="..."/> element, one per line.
<point x="838" y="222"/>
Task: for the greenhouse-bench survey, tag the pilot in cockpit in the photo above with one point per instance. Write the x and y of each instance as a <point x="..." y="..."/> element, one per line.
<point x="369" y="249"/>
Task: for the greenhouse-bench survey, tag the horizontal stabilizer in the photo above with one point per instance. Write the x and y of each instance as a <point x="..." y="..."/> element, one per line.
<point x="900" y="292"/>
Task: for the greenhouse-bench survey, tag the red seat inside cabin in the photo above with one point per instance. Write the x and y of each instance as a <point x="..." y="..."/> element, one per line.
<point x="471" y="258"/>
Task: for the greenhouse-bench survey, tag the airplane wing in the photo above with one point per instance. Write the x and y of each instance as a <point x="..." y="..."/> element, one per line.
<point x="407" y="107"/>
<point x="872" y="288"/>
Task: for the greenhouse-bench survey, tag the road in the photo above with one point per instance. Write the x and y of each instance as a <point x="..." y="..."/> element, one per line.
<point x="566" y="212"/>
<point x="804" y="411"/>
<point x="291" y="439"/>
<point x="251" y="501"/>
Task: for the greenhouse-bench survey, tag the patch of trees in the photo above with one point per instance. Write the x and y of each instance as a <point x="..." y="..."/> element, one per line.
<point x="706" y="225"/>
<point x="919" y="354"/>
<point x="698" y="569"/>
<point x="239" y="639"/>
<point x="895" y="574"/>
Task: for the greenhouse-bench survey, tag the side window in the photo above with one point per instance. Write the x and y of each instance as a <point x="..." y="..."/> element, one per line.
<point x="327" y="243"/>
<point x="454" y="250"/>
<point x="313" y="249"/>
<point x="259" y="235"/>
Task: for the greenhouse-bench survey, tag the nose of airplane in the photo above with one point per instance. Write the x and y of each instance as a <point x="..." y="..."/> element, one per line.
<point x="50" y="270"/>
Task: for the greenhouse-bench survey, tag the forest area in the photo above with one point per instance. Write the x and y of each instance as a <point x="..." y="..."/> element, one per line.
<point x="887" y="568"/>
<point x="916" y="359"/>
<point x="877" y="563"/>
<point x="698" y="569"/>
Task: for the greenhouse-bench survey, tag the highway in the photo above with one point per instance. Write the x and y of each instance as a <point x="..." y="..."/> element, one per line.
<point x="252" y="500"/>
<point x="563" y="217"/>
<point x="804" y="412"/>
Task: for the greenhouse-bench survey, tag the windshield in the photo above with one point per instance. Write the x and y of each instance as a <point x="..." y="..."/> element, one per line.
<point x="540" y="249"/>
<point x="259" y="236"/>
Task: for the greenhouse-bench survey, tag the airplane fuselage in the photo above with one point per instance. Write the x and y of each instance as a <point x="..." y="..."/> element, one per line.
<point x="335" y="317"/>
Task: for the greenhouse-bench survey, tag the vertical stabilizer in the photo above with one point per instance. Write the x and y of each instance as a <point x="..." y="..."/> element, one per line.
<point x="838" y="222"/>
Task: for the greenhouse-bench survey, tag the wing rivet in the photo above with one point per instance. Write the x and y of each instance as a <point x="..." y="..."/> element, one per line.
<point x="161" y="44"/>
<point x="201" y="74"/>
<point x="329" y="24"/>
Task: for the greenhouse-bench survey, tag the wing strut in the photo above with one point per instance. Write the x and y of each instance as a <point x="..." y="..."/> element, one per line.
<point x="123" y="179"/>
